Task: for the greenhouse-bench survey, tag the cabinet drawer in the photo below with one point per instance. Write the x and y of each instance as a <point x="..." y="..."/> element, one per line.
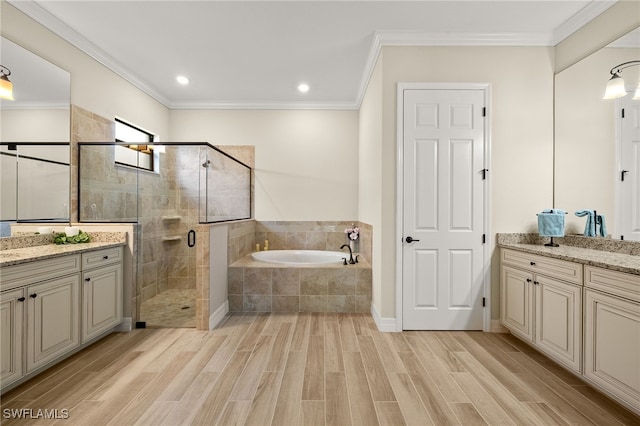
<point x="614" y="282"/>
<point x="97" y="258"/>
<point x="554" y="268"/>
<point x="40" y="270"/>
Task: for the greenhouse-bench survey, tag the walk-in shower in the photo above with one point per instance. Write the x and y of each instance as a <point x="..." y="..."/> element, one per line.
<point x="168" y="189"/>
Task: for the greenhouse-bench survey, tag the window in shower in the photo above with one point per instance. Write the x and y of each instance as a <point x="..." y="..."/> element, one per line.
<point x="136" y="149"/>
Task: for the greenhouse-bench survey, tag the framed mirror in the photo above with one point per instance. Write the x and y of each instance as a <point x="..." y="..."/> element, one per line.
<point x="35" y="132"/>
<point x="588" y="133"/>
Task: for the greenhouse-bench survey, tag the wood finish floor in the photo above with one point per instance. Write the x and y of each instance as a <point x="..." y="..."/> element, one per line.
<point x="308" y="369"/>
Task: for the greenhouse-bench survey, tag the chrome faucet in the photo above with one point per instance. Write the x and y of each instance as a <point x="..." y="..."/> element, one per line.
<point x="351" y="261"/>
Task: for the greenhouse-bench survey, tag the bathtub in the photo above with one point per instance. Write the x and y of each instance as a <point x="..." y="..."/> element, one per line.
<point x="300" y="257"/>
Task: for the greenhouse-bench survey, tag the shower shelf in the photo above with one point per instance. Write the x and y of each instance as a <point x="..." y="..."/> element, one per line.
<point x="175" y="238"/>
<point x="171" y="217"/>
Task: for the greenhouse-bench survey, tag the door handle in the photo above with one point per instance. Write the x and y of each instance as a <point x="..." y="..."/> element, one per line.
<point x="191" y="238"/>
<point x="622" y="173"/>
<point x="410" y="239"/>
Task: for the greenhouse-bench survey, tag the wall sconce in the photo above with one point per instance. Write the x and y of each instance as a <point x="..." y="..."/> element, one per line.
<point x="615" y="85"/>
<point x="6" y="87"/>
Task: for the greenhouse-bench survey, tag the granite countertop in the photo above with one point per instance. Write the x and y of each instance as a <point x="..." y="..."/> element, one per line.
<point x="621" y="262"/>
<point x="25" y="249"/>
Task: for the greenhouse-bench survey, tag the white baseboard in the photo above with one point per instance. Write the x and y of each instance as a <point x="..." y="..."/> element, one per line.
<point x="218" y="315"/>
<point x="385" y="325"/>
<point x="496" y="327"/>
<point x="126" y="325"/>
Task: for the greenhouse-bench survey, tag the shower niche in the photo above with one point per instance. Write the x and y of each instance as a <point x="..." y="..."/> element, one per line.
<point x="191" y="184"/>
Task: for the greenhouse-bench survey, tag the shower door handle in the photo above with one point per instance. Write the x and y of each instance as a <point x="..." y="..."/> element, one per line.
<point x="191" y="238"/>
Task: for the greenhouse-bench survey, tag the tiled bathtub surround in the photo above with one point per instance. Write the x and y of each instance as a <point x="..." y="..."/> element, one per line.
<point x="262" y="287"/>
<point x="266" y="287"/>
<point x="324" y="235"/>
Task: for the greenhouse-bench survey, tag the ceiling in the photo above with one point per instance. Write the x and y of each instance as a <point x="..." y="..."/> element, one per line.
<point x="254" y="54"/>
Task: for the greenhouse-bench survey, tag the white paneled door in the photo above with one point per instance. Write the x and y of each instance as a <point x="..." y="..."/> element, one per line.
<point x="443" y="213"/>
<point x="629" y="172"/>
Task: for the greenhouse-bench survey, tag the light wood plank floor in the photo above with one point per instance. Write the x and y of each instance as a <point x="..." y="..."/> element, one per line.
<point x="307" y="369"/>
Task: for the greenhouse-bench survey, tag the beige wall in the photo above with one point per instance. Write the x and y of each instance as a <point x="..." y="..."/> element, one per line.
<point x="521" y="139"/>
<point x="369" y="176"/>
<point x="306" y="161"/>
<point x="35" y="125"/>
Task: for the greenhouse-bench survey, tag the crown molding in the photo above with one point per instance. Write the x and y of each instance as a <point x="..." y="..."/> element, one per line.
<point x="580" y="19"/>
<point x="45" y="18"/>
<point x="255" y="105"/>
<point x="380" y="40"/>
<point x="26" y="105"/>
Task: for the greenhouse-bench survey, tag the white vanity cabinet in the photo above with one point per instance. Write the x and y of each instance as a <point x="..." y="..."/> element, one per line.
<point x="40" y="314"/>
<point x="541" y="301"/>
<point x="12" y="304"/>
<point x="612" y="333"/>
<point x="101" y="292"/>
<point x="50" y="308"/>
<point x="53" y="315"/>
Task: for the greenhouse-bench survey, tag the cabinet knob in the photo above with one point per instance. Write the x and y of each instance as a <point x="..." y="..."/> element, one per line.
<point x="532" y="263"/>
<point x="33" y="296"/>
<point x="536" y="282"/>
<point x="87" y="279"/>
<point x="528" y="280"/>
<point x="21" y="299"/>
<point x="105" y="257"/>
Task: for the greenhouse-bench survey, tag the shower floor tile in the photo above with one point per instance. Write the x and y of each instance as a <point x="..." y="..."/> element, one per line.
<point x="174" y="308"/>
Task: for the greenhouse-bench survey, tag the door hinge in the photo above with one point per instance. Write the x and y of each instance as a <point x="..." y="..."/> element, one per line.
<point x="622" y="112"/>
<point x="484" y="111"/>
<point x="484" y="238"/>
<point x="484" y="302"/>
<point x="484" y="173"/>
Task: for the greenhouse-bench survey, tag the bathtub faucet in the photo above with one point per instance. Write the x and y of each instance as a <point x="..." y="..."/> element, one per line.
<point x="351" y="261"/>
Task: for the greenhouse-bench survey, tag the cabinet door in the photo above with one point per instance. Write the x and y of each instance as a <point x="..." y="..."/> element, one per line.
<point x="558" y="320"/>
<point x="516" y="301"/>
<point x="612" y="345"/>
<point x="11" y="322"/>
<point x="101" y="300"/>
<point x="52" y="319"/>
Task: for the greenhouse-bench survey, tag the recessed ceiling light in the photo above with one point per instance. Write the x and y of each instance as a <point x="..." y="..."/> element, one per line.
<point x="182" y="79"/>
<point x="303" y="87"/>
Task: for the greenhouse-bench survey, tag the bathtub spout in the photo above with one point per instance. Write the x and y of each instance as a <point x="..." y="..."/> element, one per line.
<point x="351" y="261"/>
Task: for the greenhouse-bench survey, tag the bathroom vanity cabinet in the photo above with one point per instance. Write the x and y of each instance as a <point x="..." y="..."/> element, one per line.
<point x="45" y="314"/>
<point x="612" y="332"/>
<point x="541" y="301"/>
<point x="101" y="292"/>
<point x="585" y="317"/>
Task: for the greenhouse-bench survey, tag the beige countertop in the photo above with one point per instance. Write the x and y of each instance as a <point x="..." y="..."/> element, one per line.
<point x="43" y="250"/>
<point x="604" y="259"/>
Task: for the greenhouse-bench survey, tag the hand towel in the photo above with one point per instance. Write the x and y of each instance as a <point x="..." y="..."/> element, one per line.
<point x="602" y="230"/>
<point x="551" y="223"/>
<point x="590" y="226"/>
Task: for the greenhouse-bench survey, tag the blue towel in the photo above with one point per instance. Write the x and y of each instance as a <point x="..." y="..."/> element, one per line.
<point x="551" y="223"/>
<point x="602" y="230"/>
<point x="595" y="223"/>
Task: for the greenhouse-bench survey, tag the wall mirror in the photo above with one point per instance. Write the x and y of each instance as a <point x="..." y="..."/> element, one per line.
<point x="34" y="136"/>
<point x="587" y="132"/>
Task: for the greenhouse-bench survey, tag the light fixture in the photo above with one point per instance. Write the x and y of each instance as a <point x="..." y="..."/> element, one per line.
<point x="182" y="79"/>
<point x="6" y="87"/>
<point x="303" y="87"/>
<point x="615" y="85"/>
